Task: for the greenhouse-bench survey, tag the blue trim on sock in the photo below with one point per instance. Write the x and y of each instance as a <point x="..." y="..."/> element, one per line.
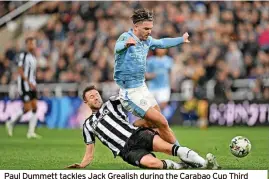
<point x="177" y="143"/>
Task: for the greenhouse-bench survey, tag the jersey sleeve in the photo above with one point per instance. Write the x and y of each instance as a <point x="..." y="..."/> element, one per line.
<point x="120" y="44"/>
<point x="165" y="42"/>
<point x="88" y="135"/>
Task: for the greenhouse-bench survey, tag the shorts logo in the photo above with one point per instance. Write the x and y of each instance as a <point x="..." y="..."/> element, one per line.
<point x="143" y="102"/>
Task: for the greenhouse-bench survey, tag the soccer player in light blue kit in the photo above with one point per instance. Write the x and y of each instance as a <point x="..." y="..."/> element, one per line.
<point x="131" y="52"/>
<point x="158" y="73"/>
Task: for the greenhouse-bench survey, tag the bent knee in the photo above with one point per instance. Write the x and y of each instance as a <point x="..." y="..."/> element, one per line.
<point x="163" y="123"/>
<point x="156" y="118"/>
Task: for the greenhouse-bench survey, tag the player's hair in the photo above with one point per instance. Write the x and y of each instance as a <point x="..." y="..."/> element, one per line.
<point x="29" y="39"/>
<point x="88" y="88"/>
<point x="142" y="15"/>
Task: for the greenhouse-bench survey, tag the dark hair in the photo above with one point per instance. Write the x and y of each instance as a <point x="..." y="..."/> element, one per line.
<point x="29" y="39"/>
<point x="89" y="88"/>
<point x="142" y="15"/>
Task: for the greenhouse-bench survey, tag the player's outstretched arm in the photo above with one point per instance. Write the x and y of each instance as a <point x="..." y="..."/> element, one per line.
<point x="169" y="42"/>
<point x="87" y="159"/>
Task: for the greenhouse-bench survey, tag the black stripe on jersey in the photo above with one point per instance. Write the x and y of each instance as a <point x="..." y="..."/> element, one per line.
<point x="21" y="80"/>
<point x="113" y="130"/>
<point x="115" y="101"/>
<point x="86" y="127"/>
<point x="106" y="144"/>
<point x="22" y="85"/>
<point x="115" y="106"/>
<point x="29" y="72"/>
<point x="90" y="122"/>
<point x="123" y="125"/>
<point x="92" y="136"/>
<point x="88" y="119"/>
<point x="108" y="139"/>
<point x="103" y="141"/>
<point x="84" y="135"/>
<point x="97" y="114"/>
<point x="24" y="57"/>
<point x="90" y="132"/>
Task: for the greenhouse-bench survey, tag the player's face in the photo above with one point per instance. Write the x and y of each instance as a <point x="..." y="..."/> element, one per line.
<point x="31" y="45"/>
<point x="144" y="29"/>
<point x="93" y="99"/>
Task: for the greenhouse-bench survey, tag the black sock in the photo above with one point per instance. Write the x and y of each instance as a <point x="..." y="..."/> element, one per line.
<point x="164" y="164"/>
<point x="174" y="150"/>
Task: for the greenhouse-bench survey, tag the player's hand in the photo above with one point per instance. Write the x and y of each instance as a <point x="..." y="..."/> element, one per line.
<point x="130" y="42"/>
<point x="75" y="165"/>
<point x="185" y="37"/>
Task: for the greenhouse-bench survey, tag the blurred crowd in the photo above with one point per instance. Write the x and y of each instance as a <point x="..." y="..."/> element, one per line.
<point x="229" y="40"/>
<point x="8" y="6"/>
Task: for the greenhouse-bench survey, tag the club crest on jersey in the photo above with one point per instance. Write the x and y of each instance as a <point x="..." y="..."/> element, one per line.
<point x="104" y="113"/>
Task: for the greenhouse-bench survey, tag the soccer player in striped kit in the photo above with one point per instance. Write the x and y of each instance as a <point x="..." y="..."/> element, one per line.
<point x="27" y="88"/>
<point x="134" y="145"/>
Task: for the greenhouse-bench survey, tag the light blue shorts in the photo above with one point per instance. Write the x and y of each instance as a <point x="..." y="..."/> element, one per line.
<point x="137" y="100"/>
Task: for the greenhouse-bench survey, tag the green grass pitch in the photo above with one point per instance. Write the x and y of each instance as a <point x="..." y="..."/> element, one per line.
<point x="61" y="147"/>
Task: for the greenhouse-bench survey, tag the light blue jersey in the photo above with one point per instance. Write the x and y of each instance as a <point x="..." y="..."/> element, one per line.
<point x="130" y="63"/>
<point x="161" y="67"/>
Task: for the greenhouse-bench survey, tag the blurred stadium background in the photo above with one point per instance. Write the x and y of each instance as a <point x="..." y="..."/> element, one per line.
<point x="221" y="77"/>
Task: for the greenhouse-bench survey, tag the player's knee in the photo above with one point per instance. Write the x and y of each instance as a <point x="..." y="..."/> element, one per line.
<point x="163" y="122"/>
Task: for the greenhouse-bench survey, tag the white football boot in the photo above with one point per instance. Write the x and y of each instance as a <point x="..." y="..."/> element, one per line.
<point x="212" y="162"/>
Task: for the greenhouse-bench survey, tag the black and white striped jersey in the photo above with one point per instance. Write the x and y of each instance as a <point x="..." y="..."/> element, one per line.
<point x="110" y="125"/>
<point x="28" y="62"/>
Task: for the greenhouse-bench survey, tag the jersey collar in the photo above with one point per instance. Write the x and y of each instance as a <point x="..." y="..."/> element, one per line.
<point x="131" y="32"/>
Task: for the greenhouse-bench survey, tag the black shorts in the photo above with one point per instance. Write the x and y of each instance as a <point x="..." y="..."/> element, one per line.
<point x="28" y="96"/>
<point x="139" y="145"/>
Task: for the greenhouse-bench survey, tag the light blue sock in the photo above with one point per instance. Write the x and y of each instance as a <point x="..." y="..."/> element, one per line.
<point x="177" y="143"/>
